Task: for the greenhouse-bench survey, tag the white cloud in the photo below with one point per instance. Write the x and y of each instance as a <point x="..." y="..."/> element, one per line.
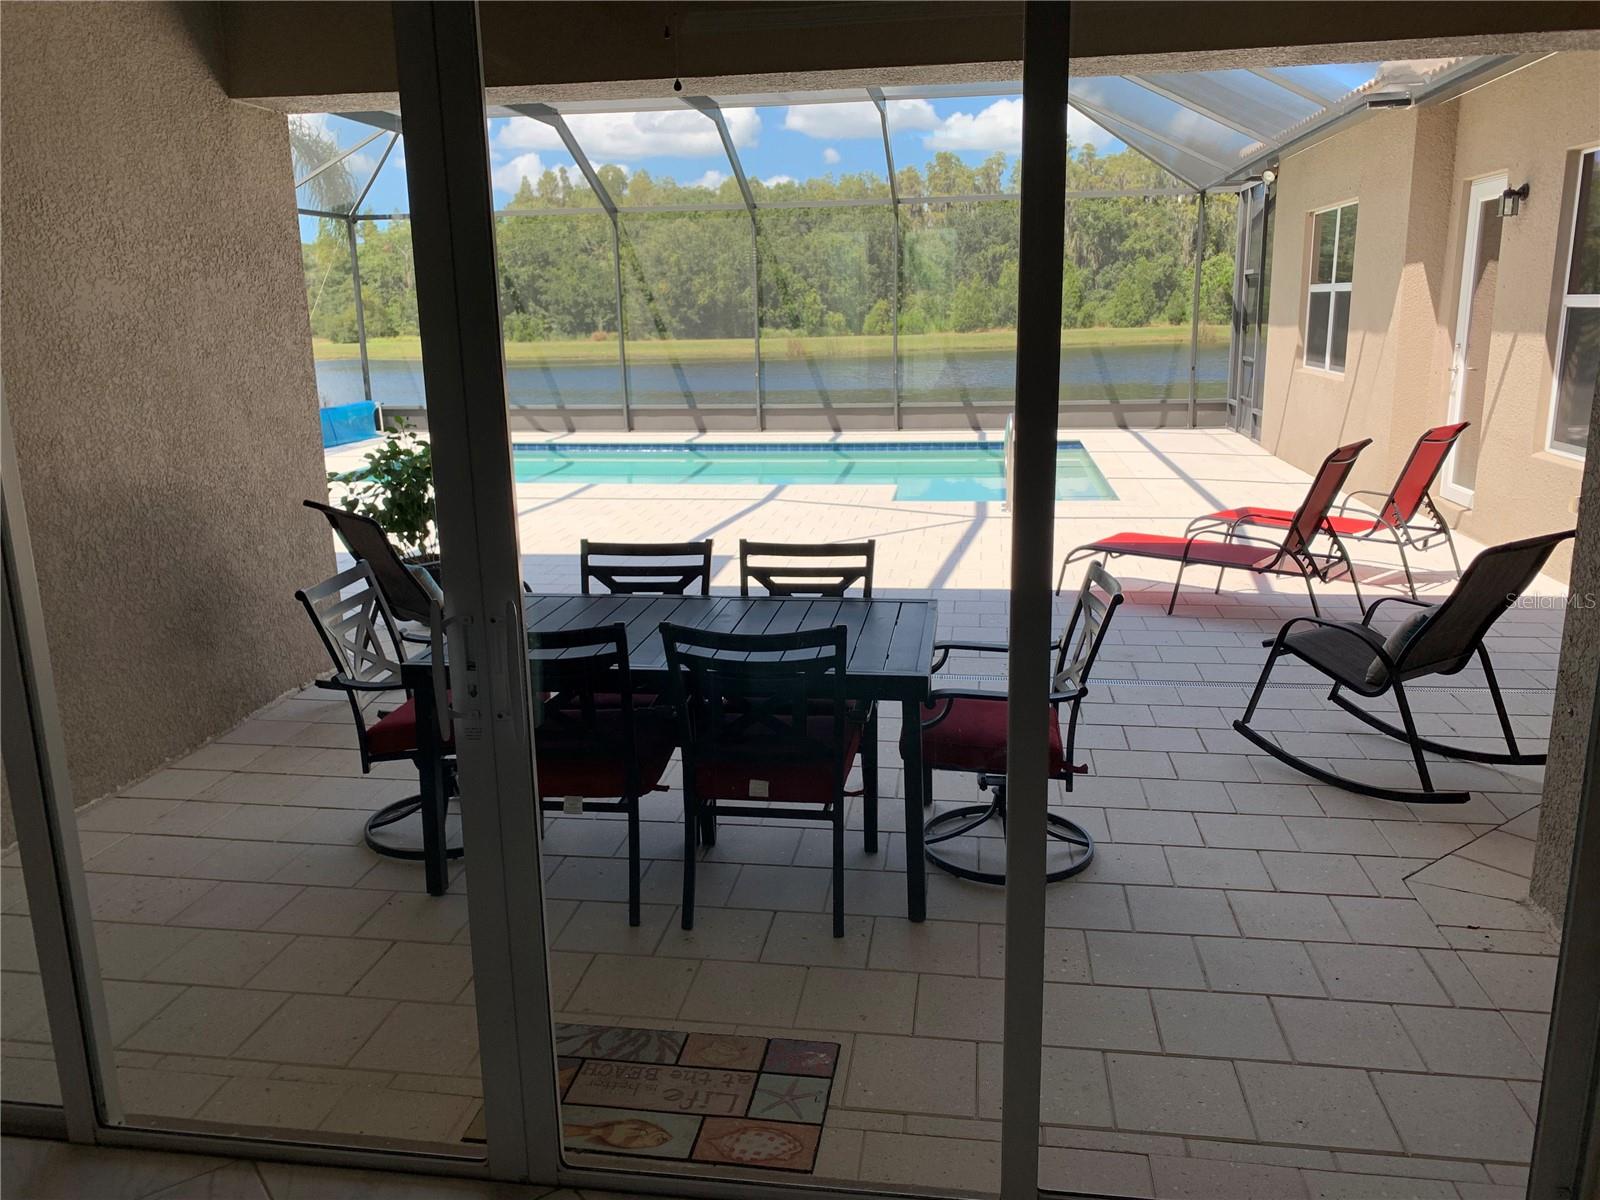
<point x="830" y="155"/>
<point x="675" y="133"/>
<point x="858" y="119"/>
<point x="508" y="176"/>
<point x="998" y="127"/>
<point x="1081" y="131"/>
<point x="711" y="179"/>
<point x="775" y="180"/>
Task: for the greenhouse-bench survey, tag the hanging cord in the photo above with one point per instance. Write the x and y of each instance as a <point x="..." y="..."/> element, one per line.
<point x="677" y="71"/>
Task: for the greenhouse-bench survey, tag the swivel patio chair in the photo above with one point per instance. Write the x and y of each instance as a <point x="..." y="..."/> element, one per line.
<point x="1396" y="518"/>
<point x="646" y="568"/>
<point x="594" y="749"/>
<point x="765" y="732"/>
<point x="1441" y="639"/>
<point x="353" y="620"/>
<point x="1293" y="556"/>
<point x="967" y="733"/>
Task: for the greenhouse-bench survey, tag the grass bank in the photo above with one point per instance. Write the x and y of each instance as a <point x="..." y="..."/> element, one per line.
<point x="776" y="345"/>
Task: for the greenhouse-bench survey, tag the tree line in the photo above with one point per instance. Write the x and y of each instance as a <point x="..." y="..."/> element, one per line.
<point x="820" y="271"/>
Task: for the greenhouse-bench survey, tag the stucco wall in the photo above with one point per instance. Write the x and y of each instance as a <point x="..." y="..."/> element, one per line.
<point x="1411" y="171"/>
<point x="159" y="379"/>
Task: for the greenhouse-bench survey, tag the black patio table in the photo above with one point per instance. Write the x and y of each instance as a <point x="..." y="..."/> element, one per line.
<point x="889" y="658"/>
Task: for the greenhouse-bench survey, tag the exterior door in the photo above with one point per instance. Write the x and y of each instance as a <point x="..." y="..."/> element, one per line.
<point x="1480" y="271"/>
<point x="1249" y="349"/>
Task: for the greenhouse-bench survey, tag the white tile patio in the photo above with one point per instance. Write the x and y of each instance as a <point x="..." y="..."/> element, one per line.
<point x="1262" y="986"/>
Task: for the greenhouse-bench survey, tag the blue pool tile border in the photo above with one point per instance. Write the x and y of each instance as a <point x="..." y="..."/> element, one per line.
<point x="763" y="447"/>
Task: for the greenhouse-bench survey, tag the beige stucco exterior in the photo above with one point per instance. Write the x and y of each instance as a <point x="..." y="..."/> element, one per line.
<point x="158" y="377"/>
<point x="1411" y="171"/>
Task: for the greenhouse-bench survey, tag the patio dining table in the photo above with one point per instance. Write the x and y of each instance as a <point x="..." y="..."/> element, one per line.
<point x="889" y="659"/>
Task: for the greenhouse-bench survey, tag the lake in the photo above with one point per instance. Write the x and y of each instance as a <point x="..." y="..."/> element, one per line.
<point x="1088" y="375"/>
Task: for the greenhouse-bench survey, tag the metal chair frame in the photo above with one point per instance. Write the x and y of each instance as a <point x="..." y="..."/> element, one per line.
<point x="820" y="580"/>
<point x="352" y="628"/>
<point x="1098" y="598"/>
<point x="649" y="576"/>
<point x="767" y="693"/>
<point x="1293" y="551"/>
<point x="1417" y="658"/>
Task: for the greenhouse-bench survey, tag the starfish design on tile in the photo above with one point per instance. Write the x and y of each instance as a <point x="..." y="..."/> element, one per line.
<point x="791" y="1097"/>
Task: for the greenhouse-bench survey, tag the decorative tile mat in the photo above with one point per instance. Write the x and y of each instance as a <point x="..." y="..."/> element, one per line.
<point x="699" y="1097"/>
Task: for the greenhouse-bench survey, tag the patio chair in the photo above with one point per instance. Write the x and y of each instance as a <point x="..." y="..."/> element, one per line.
<point x="407" y="598"/>
<point x="1441" y="639"/>
<point x="1396" y="517"/>
<point x="594" y="749"/>
<point x="838" y="567"/>
<point x="765" y="732"/>
<point x="353" y="619"/>
<point x="646" y="568"/>
<point x="967" y="733"/>
<point x="832" y="570"/>
<point x="1292" y="556"/>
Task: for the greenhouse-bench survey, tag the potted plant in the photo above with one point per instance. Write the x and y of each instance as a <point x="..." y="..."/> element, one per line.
<point x="395" y="489"/>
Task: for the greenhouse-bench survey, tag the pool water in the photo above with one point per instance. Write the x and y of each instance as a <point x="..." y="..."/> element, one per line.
<point x="916" y="470"/>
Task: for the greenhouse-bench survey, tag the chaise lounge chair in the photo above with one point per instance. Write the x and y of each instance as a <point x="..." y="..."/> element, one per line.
<point x="1441" y="639"/>
<point x="1395" y="518"/>
<point x="1240" y="552"/>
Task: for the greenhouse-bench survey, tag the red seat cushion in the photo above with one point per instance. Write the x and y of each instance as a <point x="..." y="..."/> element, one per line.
<point x="789" y="780"/>
<point x="973" y="737"/>
<point x="1282" y="518"/>
<point x="395" y="733"/>
<point x="592" y="764"/>
<point x="1202" y="550"/>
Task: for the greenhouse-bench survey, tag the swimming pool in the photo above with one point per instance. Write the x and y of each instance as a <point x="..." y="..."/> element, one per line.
<point x="916" y="470"/>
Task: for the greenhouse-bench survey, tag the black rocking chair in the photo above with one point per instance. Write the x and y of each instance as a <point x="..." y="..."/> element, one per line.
<point x="966" y="732"/>
<point x="1440" y="640"/>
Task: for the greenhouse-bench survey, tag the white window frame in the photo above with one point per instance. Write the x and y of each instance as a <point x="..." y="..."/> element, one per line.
<point x="1329" y="289"/>
<point x="1569" y="301"/>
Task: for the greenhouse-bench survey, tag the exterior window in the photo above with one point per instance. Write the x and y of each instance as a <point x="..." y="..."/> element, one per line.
<point x="1333" y="238"/>
<point x="1577" y="375"/>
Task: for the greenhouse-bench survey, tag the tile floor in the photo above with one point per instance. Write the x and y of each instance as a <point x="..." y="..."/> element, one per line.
<point x="1261" y="986"/>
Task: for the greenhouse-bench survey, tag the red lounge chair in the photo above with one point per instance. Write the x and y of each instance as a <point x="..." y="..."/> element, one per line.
<point x="1236" y="551"/>
<point x="1396" y="516"/>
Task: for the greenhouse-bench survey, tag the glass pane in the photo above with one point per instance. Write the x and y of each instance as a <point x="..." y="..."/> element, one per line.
<point x="1175" y="124"/>
<point x="663" y="157"/>
<point x="558" y="307"/>
<point x="29" y="1074"/>
<point x="1322" y="240"/>
<point x="958" y="319"/>
<point x="689" y="310"/>
<point x="813" y="151"/>
<point x="1340" y="332"/>
<point x="1578" y="378"/>
<point x="1317" y="330"/>
<point x="316" y="143"/>
<point x="827" y="317"/>
<point x="532" y="168"/>
<point x="1127" y="287"/>
<point x="957" y="147"/>
<point x="1585" y="279"/>
<point x="1345" y="267"/>
<point x="1245" y="97"/>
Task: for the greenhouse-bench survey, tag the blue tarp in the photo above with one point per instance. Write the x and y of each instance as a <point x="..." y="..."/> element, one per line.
<point x="348" y="423"/>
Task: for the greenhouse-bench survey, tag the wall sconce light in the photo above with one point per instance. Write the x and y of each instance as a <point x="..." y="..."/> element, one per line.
<point x="1511" y="200"/>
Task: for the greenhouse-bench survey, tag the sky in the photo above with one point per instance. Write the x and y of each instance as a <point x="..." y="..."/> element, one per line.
<point x="775" y="144"/>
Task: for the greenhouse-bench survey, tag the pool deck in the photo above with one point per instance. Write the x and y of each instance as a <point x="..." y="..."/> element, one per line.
<point x="1261" y="986"/>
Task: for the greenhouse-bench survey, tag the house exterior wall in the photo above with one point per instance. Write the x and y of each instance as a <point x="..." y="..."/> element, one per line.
<point x="1411" y="171"/>
<point x="158" y="377"/>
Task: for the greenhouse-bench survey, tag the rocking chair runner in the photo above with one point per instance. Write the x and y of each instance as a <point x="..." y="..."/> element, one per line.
<point x="1292" y="556"/>
<point x="1397" y="517"/>
<point x="966" y="731"/>
<point x="1440" y="640"/>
